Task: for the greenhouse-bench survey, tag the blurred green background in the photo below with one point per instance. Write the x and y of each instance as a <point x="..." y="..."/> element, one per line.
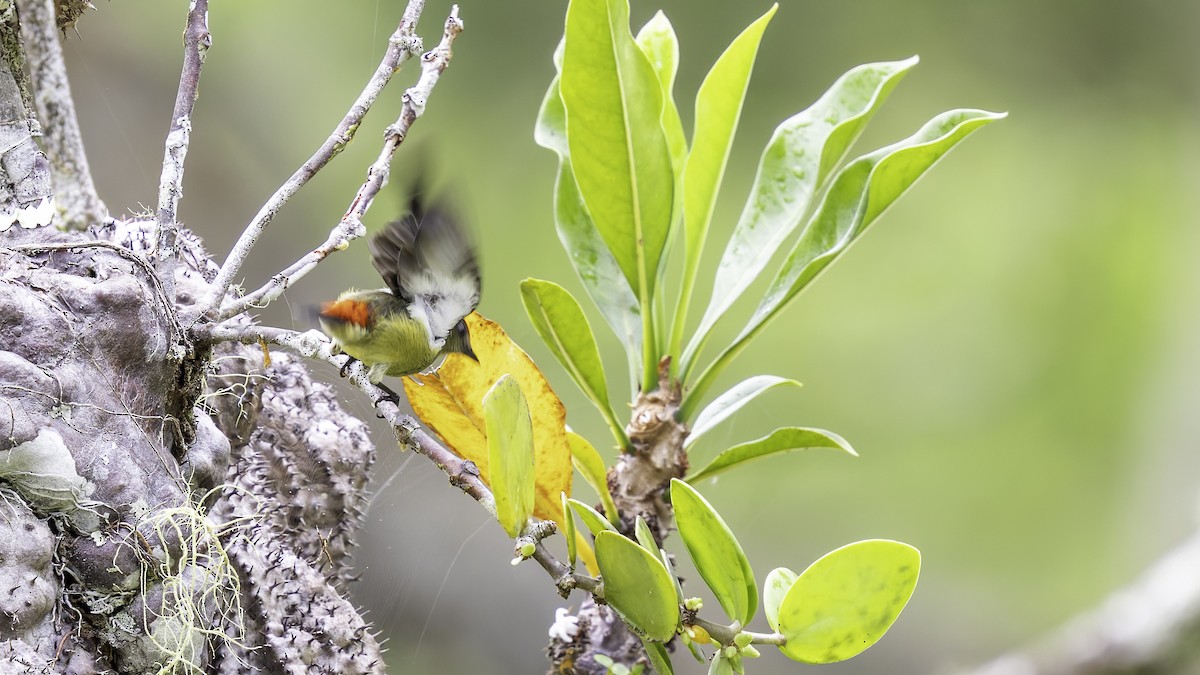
<point x="1013" y="351"/>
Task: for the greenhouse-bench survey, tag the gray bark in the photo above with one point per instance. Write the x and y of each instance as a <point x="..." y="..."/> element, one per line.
<point x="177" y="508"/>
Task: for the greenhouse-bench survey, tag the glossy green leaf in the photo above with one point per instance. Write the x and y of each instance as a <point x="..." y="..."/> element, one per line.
<point x="510" y="453"/>
<point x="593" y="262"/>
<point x="591" y="518"/>
<point x="858" y="195"/>
<point x="562" y="325"/>
<point x="786" y="439"/>
<point x="844" y="602"/>
<point x="718" y="108"/>
<point x="590" y="465"/>
<point x="657" y="40"/>
<point x="637" y="586"/>
<point x="794" y="167"/>
<point x="569" y="532"/>
<point x="731" y="401"/>
<point x="779" y="581"/>
<point x="715" y="551"/>
<point x="644" y="536"/>
<point x="619" y="153"/>
<point x="660" y="659"/>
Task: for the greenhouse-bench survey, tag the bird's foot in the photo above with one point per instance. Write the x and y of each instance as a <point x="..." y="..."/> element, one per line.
<point x="350" y="360"/>
<point x="388" y="395"/>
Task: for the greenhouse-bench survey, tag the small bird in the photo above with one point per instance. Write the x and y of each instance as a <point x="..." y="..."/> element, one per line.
<point x="432" y="277"/>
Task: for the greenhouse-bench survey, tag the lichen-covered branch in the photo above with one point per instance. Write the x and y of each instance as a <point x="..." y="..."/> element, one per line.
<point x="196" y="41"/>
<point x="75" y="194"/>
<point x="1150" y="626"/>
<point x="403" y="43"/>
<point x="433" y="64"/>
<point x="26" y="182"/>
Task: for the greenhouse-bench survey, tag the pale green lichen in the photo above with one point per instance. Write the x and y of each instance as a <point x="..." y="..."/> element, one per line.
<point x="43" y="472"/>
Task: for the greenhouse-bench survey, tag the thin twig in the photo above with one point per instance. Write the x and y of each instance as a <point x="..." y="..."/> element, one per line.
<point x="433" y="64"/>
<point x="196" y="41"/>
<point x="312" y="344"/>
<point x="564" y="579"/>
<point x="403" y="44"/>
<point x="75" y="194"/>
<point x="724" y="635"/>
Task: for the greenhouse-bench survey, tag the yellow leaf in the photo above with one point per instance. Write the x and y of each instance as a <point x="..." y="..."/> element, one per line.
<point x="450" y="402"/>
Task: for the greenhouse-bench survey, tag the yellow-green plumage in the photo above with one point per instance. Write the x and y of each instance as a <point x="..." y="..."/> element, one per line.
<point x="392" y="338"/>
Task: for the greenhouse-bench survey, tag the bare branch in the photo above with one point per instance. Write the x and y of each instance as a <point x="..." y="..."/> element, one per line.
<point x="196" y="41"/>
<point x="75" y="194"/>
<point x="403" y="44"/>
<point x="1150" y="626"/>
<point x="433" y="64"/>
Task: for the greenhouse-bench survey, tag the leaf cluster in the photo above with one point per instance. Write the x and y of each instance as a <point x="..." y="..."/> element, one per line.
<point x="632" y="190"/>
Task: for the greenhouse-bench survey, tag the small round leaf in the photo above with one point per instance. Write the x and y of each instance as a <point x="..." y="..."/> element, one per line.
<point x="779" y="582"/>
<point x="844" y="602"/>
<point x="638" y="586"/>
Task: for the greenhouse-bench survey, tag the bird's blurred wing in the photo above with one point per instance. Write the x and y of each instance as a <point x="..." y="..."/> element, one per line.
<point x="429" y="262"/>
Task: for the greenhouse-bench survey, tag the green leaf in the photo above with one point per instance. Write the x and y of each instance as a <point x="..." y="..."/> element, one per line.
<point x="718" y="108"/>
<point x="510" y="453"/>
<point x="731" y="401"/>
<point x="715" y="551"/>
<point x="637" y="586"/>
<point x="568" y="522"/>
<point x="593" y="262"/>
<point x="660" y="659"/>
<point x="858" y="195"/>
<point x="589" y="464"/>
<point x="781" y="440"/>
<point x="562" y="325"/>
<point x="666" y="561"/>
<point x="619" y="153"/>
<point x="657" y="40"/>
<point x="779" y="582"/>
<point x="644" y="536"/>
<point x="591" y="518"/>
<point x="844" y="602"/>
<point x="794" y="167"/>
